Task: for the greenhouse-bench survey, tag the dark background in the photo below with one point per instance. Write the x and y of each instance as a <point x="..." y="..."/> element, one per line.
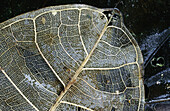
<point x="147" y="20"/>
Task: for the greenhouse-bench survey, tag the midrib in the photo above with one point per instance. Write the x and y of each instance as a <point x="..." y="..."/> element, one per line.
<point x="73" y="79"/>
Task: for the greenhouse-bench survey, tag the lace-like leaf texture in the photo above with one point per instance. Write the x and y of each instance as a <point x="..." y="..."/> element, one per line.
<point x="69" y="58"/>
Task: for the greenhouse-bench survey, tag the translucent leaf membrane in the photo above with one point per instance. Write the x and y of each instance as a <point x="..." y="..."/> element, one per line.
<point x="69" y="57"/>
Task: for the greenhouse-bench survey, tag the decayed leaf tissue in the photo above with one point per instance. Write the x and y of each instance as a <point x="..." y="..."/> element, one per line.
<point x="69" y="58"/>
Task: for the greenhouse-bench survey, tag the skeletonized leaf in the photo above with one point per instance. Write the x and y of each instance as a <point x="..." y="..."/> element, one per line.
<point x="69" y="58"/>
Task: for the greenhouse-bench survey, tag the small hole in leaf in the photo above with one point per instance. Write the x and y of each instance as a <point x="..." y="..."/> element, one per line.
<point x="102" y="16"/>
<point x="113" y="109"/>
<point x="79" y="108"/>
<point x="108" y="14"/>
<point x="65" y="68"/>
<point x="36" y="71"/>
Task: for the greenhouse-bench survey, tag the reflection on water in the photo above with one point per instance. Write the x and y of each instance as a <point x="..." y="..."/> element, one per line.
<point x="152" y="43"/>
<point x="155" y="49"/>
